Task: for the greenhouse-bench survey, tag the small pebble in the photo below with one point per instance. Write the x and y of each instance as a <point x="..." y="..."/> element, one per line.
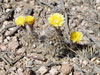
<point x="13" y="45"/>
<point x="8" y="10"/>
<point x="43" y="70"/>
<point x="12" y="69"/>
<point x="53" y="71"/>
<point x="21" y="50"/>
<point x="34" y="46"/>
<point x="5" y="23"/>
<point x="11" y="29"/>
<point x="20" y="71"/>
<point x="85" y="62"/>
<point x="38" y="62"/>
<point x="30" y="63"/>
<point x="5" y="41"/>
<point x="14" y="38"/>
<point x="66" y="68"/>
<point x="8" y="38"/>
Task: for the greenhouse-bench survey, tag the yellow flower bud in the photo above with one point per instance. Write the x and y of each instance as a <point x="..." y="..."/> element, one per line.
<point x="76" y="36"/>
<point x="56" y="20"/>
<point x="30" y="19"/>
<point x="20" y="20"/>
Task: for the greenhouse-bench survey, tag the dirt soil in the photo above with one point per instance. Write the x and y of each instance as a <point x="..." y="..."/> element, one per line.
<point x="48" y="51"/>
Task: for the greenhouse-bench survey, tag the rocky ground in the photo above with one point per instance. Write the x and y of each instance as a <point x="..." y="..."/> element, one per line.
<point x="44" y="52"/>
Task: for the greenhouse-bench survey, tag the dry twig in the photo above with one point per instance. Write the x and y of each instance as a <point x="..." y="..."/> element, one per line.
<point x="47" y="4"/>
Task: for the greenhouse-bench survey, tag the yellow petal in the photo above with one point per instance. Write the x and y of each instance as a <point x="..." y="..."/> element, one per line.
<point x="56" y="20"/>
<point x="76" y="36"/>
<point x="20" y="20"/>
<point x="30" y="19"/>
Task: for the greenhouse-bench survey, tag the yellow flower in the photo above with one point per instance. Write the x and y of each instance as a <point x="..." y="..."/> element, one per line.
<point x="56" y="20"/>
<point x="20" y="20"/>
<point x="30" y="19"/>
<point x="76" y="36"/>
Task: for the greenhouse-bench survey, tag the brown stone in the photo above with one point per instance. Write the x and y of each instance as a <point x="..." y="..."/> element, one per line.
<point x="66" y="68"/>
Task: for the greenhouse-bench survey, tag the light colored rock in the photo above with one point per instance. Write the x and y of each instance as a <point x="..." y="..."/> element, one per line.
<point x="14" y="38"/>
<point x="20" y="71"/>
<point x="7" y="33"/>
<point x="13" y="45"/>
<point x="3" y="47"/>
<point x="11" y="29"/>
<point x="75" y="59"/>
<point x="29" y="63"/>
<point x="53" y="71"/>
<point x="8" y="10"/>
<point x="38" y="62"/>
<point x="43" y="70"/>
<point x="34" y="46"/>
<point x="80" y="61"/>
<point x="58" y="67"/>
<point x="8" y="38"/>
<point x="66" y="68"/>
<point x="5" y="41"/>
<point x="85" y="62"/>
<point x="5" y="23"/>
<point x="12" y="69"/>
<point x="1" y="39"/>
<point x="21" y="50"/>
